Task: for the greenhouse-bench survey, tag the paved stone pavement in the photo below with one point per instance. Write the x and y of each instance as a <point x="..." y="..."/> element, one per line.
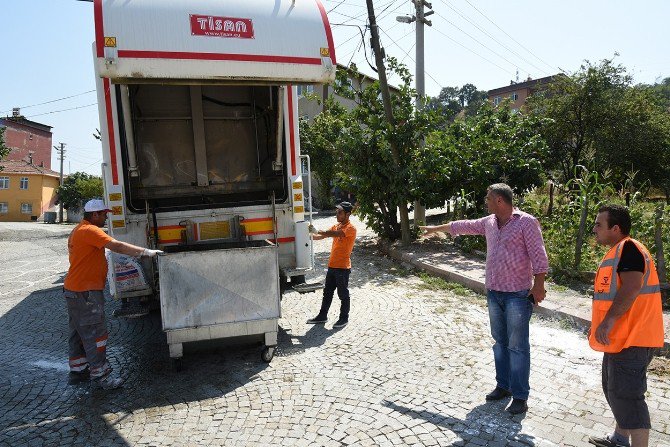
<point x="411" y="368"/>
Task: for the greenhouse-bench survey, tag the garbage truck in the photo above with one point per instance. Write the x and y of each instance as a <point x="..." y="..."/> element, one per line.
<point x="201" y="156"/>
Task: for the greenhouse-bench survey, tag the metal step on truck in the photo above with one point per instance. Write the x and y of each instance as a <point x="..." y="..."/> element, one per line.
<point x="201" y="155"/>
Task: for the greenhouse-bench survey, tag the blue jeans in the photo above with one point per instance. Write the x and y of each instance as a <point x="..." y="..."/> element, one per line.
<point x="509" y="313"/>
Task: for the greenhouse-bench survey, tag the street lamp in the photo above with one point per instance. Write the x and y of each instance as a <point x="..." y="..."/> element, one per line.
<point x="406" y="19"/>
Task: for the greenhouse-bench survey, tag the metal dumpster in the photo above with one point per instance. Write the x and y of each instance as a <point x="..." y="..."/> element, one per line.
<point x="219" y="290"/>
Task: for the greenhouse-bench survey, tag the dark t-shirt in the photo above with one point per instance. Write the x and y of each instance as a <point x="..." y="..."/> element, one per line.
<point x="631" y="259"/>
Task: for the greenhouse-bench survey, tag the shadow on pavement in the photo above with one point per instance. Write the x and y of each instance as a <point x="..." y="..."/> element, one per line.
<point x="37" y="405"/>
<point x="486" y="421"/>
<point x="289" y="344"/>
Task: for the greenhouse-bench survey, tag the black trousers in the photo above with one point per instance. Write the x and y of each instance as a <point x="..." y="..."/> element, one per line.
<point x="336" y="279"/>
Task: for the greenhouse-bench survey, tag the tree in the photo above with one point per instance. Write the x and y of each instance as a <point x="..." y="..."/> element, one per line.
<point x="4" y="150"/>
<point x="662" y="90"/>
<point x="577" y="106"/>
<point x="320" y="140"/>
<point x="78" y="188"/>
<point x="366" y="164"/>
<point x="497" y="145"/>
<point x="453" y="100"/>
<point x="599" y="120"/>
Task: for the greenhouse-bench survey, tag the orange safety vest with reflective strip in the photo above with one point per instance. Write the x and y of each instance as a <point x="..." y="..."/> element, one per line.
<point x="642" y="325"/>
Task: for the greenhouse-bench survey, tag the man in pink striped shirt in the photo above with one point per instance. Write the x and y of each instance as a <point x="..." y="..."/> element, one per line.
<point x="516" y="264"/>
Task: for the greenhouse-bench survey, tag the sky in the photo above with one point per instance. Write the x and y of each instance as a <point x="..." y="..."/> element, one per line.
<point x="47" y="54"/>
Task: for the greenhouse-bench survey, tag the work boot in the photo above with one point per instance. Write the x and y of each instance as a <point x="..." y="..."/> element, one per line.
<point x="317" y="320"/>
<point x="108" y="382"/>
<point x="498" y="393"/>
<point x="75" y="377"/>
<point x="606" y="441"/>
<point x="340" y="323"/>
<point x="518" y="406"/>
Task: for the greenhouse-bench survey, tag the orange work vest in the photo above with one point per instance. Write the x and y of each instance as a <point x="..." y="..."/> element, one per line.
<point x="642" y="325"/>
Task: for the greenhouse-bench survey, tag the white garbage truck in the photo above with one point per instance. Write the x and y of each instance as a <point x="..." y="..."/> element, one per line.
<point x="201" y="155"/>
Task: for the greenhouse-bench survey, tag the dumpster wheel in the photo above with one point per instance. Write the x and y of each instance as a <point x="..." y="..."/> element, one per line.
<point x="268" y="353"/>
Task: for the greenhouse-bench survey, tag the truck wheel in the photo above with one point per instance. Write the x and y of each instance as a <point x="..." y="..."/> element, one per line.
<point x="268" y="353"/>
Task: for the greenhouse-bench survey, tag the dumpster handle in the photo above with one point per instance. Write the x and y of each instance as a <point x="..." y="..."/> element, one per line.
<point x="309" y="195"/>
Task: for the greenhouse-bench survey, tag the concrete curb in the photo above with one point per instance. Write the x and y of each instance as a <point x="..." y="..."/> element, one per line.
<point x="478" y="286"/>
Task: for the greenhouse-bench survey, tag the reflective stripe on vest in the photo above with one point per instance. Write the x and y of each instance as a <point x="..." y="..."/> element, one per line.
<point x="642" y="325"/>
<point x="614" y="287"/>
<point x="614" y="263"/>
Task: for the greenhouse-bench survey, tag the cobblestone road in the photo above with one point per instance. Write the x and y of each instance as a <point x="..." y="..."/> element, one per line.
<point x="411" y="368"/>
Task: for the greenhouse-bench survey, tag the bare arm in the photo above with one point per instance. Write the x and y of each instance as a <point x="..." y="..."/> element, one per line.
<point x="129" y="249"/>
<point x="427" y="229"/>
<point x="631" y="284"/>
<point x="538" y="291"/>
<point x="330" y="233"/>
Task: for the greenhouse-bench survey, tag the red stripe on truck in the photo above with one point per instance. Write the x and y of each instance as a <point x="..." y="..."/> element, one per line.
<point x="329" y="33"/>
<point x="142" y="54"/>
<point x="110" y="130"/>
<point x="99" y="30"/>
<point x="291" y="124"/>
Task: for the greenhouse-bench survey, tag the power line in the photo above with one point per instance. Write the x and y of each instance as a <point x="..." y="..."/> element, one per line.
<point x="482" y="44"/>
<point x="472" y="51"/>
<point x="489" y="35"/>
<point x="63" y="110"/>
<point x="517" y="42"/>
<point x="408" y="55"/>
<point x="53" y="100"/>
<point x="335" y="7"/>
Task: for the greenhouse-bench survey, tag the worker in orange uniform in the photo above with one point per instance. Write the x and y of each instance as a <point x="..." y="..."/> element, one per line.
<point x="627" y="324"/>
<point x="83" y="290"/>
<point x="339" y="265"/>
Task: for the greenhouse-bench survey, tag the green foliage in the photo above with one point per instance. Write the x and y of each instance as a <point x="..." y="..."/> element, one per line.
<point x="497" y="145"/>
<point x="453" y="100"/>
<point x="4" y="150"/>
<point x="662" y="90"/>
<point x="320" y="140"/>
<point x="560" y="228"/>
<point x="367" y="165"/>
<point x="78" y="188"/>
<point x="598" y="119"/>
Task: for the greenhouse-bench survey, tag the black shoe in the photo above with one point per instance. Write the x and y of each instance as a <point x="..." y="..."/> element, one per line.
<point x="605" y="441"/>
<point x="518" y="406"/>
<point x="340" y="323"/>
<point x="317" y="320"/>
<point x="75" y="377"/>
<point x="498" y="393"/>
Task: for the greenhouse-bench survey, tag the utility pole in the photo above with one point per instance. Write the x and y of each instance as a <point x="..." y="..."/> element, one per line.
<point x="388" y="111"/>
<point x="420" y="19"/>
<point x="61" y="152"/>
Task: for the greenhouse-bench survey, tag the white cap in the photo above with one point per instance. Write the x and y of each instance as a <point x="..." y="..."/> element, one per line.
<point x="95" y="205"/>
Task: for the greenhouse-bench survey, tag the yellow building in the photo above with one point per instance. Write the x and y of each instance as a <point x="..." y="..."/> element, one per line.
<point x="26" y="191"/>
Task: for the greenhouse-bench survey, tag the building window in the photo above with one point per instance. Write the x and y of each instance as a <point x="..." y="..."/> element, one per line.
<point x="26" y="208"/>
<point x="496" y="100"/>
<point x="24" y="183"/>
<point x="514" y="96"/>
<point x="4" y="182"/>
<point x="305" y="89"/>
<point x="4" y="207"/>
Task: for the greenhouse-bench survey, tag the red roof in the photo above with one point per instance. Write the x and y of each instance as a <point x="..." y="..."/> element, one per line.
<point x="23" y="167"/>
